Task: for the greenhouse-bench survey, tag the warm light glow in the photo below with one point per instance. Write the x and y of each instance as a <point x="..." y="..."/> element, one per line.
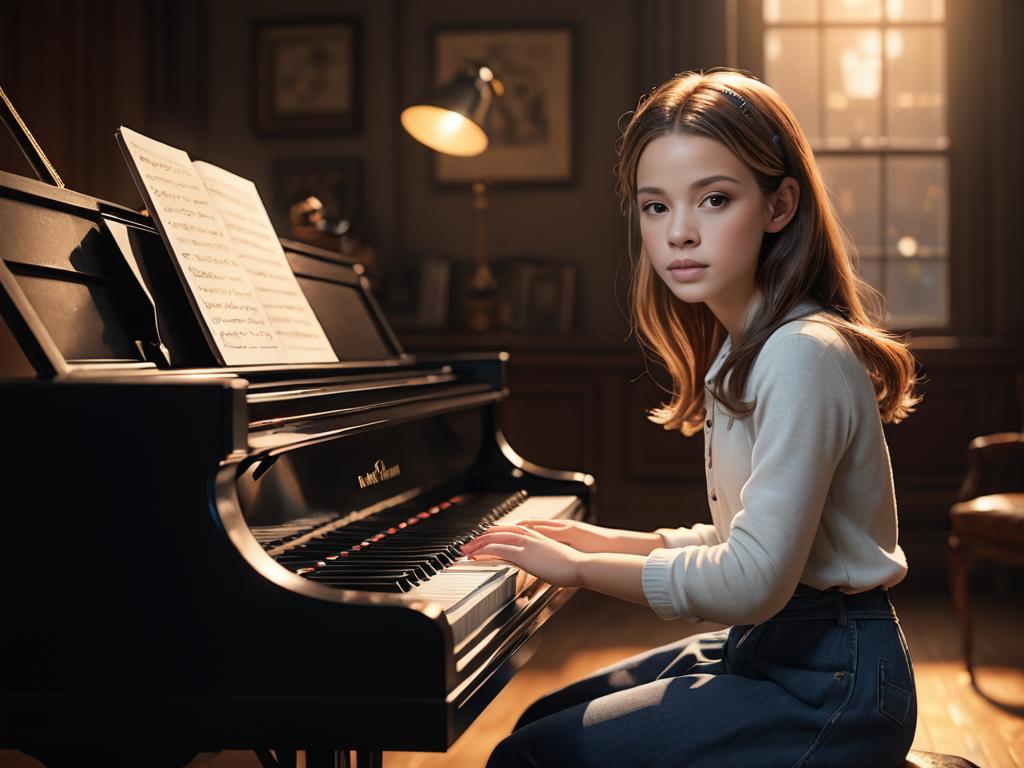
<point x="893" y="44"/>
<point x="772" y="46"/>
<point x="444" y="131"/>
<point x="862" y="67"/>
<point x="779" y="12"/>
<point x="450" y="124"/>
<point x="907" y="246"/>
<point x="894" y="8"/>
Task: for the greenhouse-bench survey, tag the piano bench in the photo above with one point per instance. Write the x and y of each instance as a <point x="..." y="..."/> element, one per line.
<point x="917" y="759"/>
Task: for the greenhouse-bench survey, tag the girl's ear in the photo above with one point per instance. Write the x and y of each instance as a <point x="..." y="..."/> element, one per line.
<point x="782" y="205"/>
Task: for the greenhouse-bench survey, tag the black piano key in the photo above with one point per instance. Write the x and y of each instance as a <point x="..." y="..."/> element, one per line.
<point x="397" y="548"/>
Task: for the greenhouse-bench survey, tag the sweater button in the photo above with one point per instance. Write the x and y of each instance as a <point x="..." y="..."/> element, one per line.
<point x="708" y="423"/>
<point x="714" y="497"/>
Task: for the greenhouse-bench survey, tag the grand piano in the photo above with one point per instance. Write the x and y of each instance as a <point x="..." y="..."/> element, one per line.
<point x="196" y="557"/>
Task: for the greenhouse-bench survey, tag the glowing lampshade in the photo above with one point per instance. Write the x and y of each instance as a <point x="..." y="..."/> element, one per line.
<point x="450" y="120"/>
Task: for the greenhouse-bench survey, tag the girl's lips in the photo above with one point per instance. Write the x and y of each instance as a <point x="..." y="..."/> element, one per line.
<point x="686" y="274"/>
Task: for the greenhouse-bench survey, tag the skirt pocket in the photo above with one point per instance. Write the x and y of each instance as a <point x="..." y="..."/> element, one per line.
<point x="894" y="696"/>
<point x="811" y="659"/>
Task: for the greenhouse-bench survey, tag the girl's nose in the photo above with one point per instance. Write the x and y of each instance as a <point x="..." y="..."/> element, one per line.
<point x="683" y="232"/>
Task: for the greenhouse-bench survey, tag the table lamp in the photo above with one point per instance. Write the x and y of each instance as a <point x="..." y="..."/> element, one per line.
<point x="451" y="120"/>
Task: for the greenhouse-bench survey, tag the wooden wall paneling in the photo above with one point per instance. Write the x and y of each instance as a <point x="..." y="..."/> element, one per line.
<point x="931" y="443"/>
<point x="551" y="419"/>
<point x="656" y="453"/>
<point x="176" y="65"/>
<point x="973" y="161"/>
<point x="75" y="74"/>
<point x="1010" y="117"/>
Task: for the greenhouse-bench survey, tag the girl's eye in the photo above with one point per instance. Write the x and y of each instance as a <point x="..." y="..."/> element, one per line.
<point x="716" y="200"/>
<point x="654" y="207"/>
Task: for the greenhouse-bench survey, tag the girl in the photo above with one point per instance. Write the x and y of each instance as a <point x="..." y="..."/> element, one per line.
<point x="744" y="288"/>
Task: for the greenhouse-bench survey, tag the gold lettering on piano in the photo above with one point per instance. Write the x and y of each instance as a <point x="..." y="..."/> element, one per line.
<point x="379" y="473"/>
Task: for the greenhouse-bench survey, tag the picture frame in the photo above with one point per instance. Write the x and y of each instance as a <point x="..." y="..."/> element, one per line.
<point x="530" y="126"/>
<point x="336" y="181"/>
<point x="307" y="75"/>
<point x="536" y="294"/>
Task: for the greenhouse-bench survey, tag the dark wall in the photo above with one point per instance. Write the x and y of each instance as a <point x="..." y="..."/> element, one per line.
<point x="409" y="217"/>
<point x="182" y="72"/>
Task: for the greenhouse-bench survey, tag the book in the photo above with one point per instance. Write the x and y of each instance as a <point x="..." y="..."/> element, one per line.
<point x="227" y="254"/>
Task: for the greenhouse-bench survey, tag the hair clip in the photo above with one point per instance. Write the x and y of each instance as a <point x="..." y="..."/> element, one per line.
<point x="738" y="100"/>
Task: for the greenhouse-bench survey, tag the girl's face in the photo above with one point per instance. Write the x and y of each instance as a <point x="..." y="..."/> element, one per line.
<point x="702" y="220"/>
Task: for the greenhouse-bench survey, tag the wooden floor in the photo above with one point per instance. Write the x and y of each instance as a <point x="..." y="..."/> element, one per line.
<point x="985" y="725"/>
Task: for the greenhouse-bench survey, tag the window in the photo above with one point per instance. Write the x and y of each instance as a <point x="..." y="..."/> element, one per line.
<point x="867" y="80"/>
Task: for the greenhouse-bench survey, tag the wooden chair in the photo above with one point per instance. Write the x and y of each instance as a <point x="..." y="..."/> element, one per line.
<point x="987" y="522"/>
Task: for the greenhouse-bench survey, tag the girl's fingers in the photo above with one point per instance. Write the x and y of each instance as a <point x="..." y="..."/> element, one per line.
<point x="497" y="552"/>
<point x="490" y="558"/>
<point x="542" y="524"/>
<point x="506" y="535"/>
<point x="507" y="529"/>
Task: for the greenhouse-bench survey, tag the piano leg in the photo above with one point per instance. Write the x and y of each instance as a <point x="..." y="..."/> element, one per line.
<point x="326" y="758"/>
<point x="367" y="758"/>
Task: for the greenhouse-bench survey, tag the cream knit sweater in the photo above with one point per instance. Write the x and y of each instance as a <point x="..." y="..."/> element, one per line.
<point x="800" y="490"/>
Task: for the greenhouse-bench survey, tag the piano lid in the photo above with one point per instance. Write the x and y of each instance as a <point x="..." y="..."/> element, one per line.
<point x="88" y="286"/>
<point x="27" y="142"/>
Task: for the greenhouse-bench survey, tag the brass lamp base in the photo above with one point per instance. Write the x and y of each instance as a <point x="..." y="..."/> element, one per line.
<point x="482" y="301"/>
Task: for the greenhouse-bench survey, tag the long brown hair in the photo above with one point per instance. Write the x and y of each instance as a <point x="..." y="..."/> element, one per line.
<point x="810" y="258"/>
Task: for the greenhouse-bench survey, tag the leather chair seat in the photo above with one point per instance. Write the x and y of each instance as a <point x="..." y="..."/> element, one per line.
<point x="997" y="516"/>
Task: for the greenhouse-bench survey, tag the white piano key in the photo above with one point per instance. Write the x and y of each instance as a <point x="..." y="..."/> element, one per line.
<point x="469" y="590"/>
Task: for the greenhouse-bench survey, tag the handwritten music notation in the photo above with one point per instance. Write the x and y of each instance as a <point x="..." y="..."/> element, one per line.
<point x="228" y="255"/>
<point x="259" y="251"/>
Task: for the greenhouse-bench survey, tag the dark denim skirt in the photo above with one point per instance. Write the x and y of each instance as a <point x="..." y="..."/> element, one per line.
<point x="827" y="681"/>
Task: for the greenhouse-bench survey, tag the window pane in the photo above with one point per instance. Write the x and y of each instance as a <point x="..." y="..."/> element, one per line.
<point x="853" y="10"/>
<point x="916" y="87"/>
<point x="786" y="54"/>
<point x="871" y="271"/>
<point x="855" y="184"/>
<point x="853" y="85"/>
<point x="788" y="11"/>
<point x="916" y="203"/>
<point x="916" y="292"/>
<point x="915" y="10"/>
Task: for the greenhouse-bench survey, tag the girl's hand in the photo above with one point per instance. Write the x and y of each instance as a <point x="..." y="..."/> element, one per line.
<point x="595" y="538"/>
<point x="545" y="558"/>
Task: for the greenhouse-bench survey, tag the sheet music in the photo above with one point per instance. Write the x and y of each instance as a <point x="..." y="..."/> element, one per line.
<point x="260" y="253"/>
<point x="218" y="284"/>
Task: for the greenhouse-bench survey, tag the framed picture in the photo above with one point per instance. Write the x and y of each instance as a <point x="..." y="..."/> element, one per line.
<point x="530" y="125"/>
<point x="308" y="75"/>
<point x="535" y="294"/>
<point x="335" y="181"/>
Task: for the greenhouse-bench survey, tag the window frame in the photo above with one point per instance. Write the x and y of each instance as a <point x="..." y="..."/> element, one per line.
<point x="962" y="282"/>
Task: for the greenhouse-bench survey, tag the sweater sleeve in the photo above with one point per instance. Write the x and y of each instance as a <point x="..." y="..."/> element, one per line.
<point x="701" y="533"/>
<point x="802" y="426"/>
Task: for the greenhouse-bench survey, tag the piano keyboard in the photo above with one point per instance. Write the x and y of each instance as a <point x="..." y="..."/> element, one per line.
<point x="472" y="590"/>
<point x="419" y="554"/>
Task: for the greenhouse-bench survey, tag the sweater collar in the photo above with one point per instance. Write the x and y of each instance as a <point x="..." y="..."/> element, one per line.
<point x="805" y="307"/>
